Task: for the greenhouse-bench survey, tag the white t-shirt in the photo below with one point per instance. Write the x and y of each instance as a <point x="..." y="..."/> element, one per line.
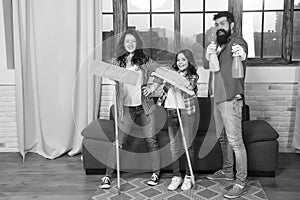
<point x="133" y="93"/>
<point x="170" y="100"/>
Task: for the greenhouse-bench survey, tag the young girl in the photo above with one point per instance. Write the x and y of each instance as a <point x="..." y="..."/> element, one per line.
<point x="184" y="65"/>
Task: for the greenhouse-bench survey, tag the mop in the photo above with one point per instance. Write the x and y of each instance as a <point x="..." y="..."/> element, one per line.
<point x="117" y="74"/>
<point x="177" y="81"/>
<point x="184" y="142"/>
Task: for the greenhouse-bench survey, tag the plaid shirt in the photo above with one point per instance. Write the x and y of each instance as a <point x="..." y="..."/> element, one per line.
<point x="189" y="100"/>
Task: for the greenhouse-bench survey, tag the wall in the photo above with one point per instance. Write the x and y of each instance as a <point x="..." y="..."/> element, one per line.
<point x="8" y="125"/>
<point x="275" y="103"/>
<point x="271" y="94"/>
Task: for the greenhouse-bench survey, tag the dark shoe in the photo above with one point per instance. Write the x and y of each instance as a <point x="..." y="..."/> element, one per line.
<point x="220" y="175"/>
<point x="105" y="182"/>
<point x="236" y="191"/>
<point x="153" y="180"/>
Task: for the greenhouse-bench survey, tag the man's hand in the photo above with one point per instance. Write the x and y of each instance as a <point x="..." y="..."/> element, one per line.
<point x="238" y="50"/>
<point x="211" y="48"/>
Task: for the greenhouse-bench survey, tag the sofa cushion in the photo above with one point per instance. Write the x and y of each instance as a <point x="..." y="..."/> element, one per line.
<point x="100" y="129"/>
<point x="258" y="130"/>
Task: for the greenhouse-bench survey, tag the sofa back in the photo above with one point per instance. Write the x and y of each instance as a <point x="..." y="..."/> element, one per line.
<point x="204" y="115"/>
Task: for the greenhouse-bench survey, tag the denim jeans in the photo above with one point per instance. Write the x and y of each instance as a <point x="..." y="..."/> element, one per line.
<point x="176" y="145"/>
<point x="228" y="119"/>
<point x="124" y="127"/>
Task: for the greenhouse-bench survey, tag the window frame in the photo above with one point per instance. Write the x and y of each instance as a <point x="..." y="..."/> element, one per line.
<point x="8" y="33"/>
<point x="236" y="7"/>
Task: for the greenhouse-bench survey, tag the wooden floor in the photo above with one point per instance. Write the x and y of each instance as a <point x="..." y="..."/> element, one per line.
<point x="64" y="178"/>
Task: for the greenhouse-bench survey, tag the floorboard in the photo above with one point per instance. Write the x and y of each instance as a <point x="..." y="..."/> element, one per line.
<point x="64" y="178"/>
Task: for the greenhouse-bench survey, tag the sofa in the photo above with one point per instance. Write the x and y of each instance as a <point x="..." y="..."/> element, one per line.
<point x="259" y="136"/>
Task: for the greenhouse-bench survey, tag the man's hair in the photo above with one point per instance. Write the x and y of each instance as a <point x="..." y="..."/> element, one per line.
<point x="226" y="14"/>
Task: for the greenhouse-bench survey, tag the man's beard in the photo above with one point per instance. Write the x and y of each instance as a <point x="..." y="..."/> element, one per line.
<point x="223" y="38"/>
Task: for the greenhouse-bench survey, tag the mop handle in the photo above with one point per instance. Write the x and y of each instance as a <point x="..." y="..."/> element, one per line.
<point x="117" y="139"/>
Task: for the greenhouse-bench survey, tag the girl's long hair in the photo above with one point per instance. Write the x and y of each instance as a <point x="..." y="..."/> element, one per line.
<point x="139" y="57"/>
<point x="192" y="67"/>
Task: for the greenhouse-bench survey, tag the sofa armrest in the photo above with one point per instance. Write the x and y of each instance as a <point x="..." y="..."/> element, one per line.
<point x="258" y="130"/>
<point x="100" y="129"/>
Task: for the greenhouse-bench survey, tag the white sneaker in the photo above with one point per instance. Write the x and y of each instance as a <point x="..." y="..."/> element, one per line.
<point x="187" y="183"/>
<point x="175" y="182"/>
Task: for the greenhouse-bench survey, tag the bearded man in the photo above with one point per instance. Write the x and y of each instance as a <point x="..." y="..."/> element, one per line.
<point x="228" y="102"/>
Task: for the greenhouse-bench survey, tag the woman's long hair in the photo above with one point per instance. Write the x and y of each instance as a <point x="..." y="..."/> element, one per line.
<point x="139" y="57"/>
<point x="192" y="67"/>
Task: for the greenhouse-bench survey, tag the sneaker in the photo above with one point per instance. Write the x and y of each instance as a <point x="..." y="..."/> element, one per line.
<point x="153" y="180"/>
<point x="105" y="182"/>
<point x="175" y="182"/>
<point x="187" y="183"/>
<point x="236" y="191"/>
<point x="220" y="175"/>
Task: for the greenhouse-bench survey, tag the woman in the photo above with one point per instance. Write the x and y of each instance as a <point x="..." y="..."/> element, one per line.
<point x="134" y="101"/>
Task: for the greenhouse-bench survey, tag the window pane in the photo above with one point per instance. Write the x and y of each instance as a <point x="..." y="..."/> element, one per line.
<point x="210" y="29"/>
<point x="297" y="4"/>
<point x="107" y="6"/>
<point x="163" y="38"/>
<point x="272" y="34"/>
<point x="107" y="44"/>
<point x="272" y="5"/>
<point x="189" y="29"/>
<point x="3" y="61"/>
<point x="138" y="5"/>
<point x="296" y="38"/>
<point x="107" y="38"/>
<point x="252" y="4"/>
<point x="163" y="5"/>
<point x="192" y="35"/>
<point x="139" y="21"/>
<point x="107" y="22"/>
<point x="191" y="5"/>
<point x="252" y="33"/>
<point x="216" y="5"/>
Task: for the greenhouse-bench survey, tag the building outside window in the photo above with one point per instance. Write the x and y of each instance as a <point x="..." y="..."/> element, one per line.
<point x="157" y="21"/>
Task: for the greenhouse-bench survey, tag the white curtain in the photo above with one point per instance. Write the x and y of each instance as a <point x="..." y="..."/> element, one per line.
<point x="54" y="42"/>
<point x="296" y="140"/>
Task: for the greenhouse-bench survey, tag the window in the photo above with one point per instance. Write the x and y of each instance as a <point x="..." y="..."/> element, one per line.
<point x="265" y="24"/>
<point x="107" y="29"/>
<point x="266" y="28"/>
<point x="154" y="20"/>
<point x="197" y="25"/>
<point x="262" y="20"/>
<point x="296" y="33"/>
<point x="6" y="43"/>
<point x="7" y="26"/>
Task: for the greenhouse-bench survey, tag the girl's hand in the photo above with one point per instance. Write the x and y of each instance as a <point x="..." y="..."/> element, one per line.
<point x="147" y="91"/>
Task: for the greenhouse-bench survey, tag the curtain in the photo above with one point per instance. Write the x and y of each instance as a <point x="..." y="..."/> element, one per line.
<point x="54" y="42"/>
<point x="296" y="139"/>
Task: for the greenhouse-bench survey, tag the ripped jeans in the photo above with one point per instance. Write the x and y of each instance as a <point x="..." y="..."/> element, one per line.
<point x="228" y="119"/>
<point x="176" y="143"/>
<point x="148" y="123"/>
